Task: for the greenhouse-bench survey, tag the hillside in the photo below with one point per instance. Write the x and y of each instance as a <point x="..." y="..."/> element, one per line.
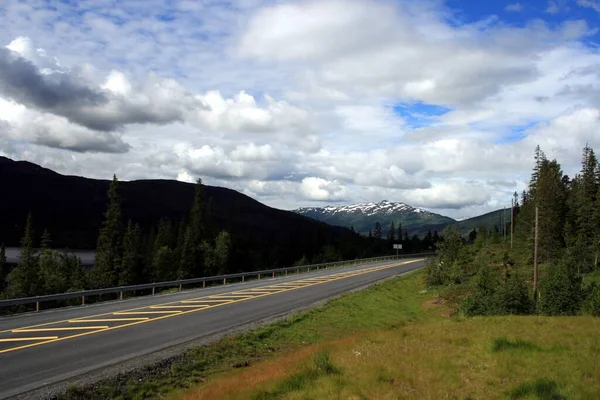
<point x="71" y="208"/>
<point x="489" y="221"/>
<point x="364" y="216"/>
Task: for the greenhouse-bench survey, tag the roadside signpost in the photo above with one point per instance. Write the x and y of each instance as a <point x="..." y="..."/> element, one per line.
<point x="397" y="247"/>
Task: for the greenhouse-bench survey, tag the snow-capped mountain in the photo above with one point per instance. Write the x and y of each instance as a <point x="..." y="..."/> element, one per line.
<point x="363" y="216"/>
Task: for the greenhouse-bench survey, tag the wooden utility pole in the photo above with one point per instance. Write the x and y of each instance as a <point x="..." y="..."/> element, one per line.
<point x="512" y="221"/>
<point x="535" y="256"/>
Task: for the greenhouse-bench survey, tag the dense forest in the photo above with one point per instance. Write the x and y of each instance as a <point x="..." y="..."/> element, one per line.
<point x="194" y="246"/>
<point x="551" y="267"/>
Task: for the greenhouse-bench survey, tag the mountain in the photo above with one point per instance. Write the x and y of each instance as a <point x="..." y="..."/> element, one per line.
<point x="489" y="221"/>
<point x="364" y="216"/>
<point x="72" y="208"/>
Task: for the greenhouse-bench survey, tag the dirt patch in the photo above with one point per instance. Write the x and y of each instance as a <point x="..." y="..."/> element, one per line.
<point x="271" y="370"/>
<point x="440" y="306"/>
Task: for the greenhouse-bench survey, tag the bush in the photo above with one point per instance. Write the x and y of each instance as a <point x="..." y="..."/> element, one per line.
<point x="561" y="292"/>
<point x="592" y="302"/>
<point x="493" y="298"/>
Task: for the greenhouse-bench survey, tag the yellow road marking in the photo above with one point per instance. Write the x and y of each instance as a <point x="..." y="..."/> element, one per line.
<point x="261" y="292"/>
<point x="28" y="339"/>
<point x="267" y="289"/>
<point x="172" y="314"/>
<point x="144" y="312"/>
<point x="205" y="301"/>
<point x="74" y="321"/>
<point x="70" y="328"/>
<point x="226" y="296"/>
<point x="190" y="306"/>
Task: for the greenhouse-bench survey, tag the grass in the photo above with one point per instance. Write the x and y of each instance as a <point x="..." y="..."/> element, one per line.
<point x="545" y="358"/>
<point x="504" y="344"/>
<point x="542" y="389"/>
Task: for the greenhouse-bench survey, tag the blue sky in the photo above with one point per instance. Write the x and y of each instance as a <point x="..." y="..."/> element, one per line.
<point x="435" y="103"/>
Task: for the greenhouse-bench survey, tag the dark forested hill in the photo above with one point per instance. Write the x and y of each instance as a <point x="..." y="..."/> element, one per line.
<point x="72" y="208"/>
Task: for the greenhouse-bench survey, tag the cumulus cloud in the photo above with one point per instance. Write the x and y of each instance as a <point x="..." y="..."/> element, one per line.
<point x="313" y="188"/>
<point x="104" y="108"/>
<point x="243" y="113"/>
<point x="293" y="105"/>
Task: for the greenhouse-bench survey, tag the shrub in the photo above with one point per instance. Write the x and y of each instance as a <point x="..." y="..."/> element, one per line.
<point x="561" y="292"/>
<point x="592" y="302"/>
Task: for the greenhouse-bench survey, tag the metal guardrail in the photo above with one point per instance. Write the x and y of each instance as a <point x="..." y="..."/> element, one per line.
<point x="180" y="283"/>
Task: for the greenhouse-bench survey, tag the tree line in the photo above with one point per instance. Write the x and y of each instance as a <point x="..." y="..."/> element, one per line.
<point x="568" y="247"/>
<point x="126" y="254"/>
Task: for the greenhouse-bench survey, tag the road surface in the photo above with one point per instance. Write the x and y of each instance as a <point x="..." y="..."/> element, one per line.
<point x="39" y="349"/>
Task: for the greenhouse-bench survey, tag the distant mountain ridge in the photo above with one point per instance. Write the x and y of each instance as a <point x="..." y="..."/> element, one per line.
<point x="363" y="216"/>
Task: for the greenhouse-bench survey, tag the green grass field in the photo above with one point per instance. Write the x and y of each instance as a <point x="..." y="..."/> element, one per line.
<point x="399" y="341"/>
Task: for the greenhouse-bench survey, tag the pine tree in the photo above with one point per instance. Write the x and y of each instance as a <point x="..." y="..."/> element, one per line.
<point x="76" y="275"/>
<point x="551" y="199"/>
<point x="2" y="267"/>
<point x="51" y="270"/>
<point x="132" y="255"/>
<point x="399" y="233"/>
<point x="222" y="252"/>
<point x="23" y="279"/>
<point x="192" y="259"/>
<point x="109" y="251"/>
<point x="391" y="236"/>
<point x="377" y="233"/>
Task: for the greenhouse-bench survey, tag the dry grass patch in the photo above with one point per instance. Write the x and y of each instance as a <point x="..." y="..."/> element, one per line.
<point x="491" y="358"/>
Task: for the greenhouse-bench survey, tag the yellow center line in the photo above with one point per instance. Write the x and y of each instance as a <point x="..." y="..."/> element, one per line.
<point x="28" y="339"/>
<point x="70" y="328"/>
<point x="145" y="312"/>
<point x="178" y="313"/>
<point x="206" y="301"/>
<point x="228" y="296"/>
<point x="176" y="306"/>
<point x="75" y="321"/>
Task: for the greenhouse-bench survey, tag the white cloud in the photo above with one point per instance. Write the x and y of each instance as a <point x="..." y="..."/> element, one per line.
<point x="320" y="189"/>
<point x="514" y="7"/>
<point x="292" y="104"/>
<point x="593" y="4"/>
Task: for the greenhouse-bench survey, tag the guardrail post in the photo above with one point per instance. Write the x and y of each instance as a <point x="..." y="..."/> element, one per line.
<point x="273" y="274"/>
<point x="153" y="288"/>
<point x="83" y="300"/>
<point x="180" y="287"/>
<point x="121" y="295"/>
<point x="243" y="278"/>
<point x="286" y="272"/>
<point x="259" y="276"/>
<point x="37" y="306"/>
<point x="298" y="270"/>
<point x="224" y="281"/>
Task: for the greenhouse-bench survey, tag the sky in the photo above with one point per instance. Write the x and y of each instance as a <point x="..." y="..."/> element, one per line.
<point x="438" y="104"/>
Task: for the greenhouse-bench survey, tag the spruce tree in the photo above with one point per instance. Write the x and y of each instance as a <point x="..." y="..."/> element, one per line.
<point x="132" y="255"/>
<point x="377" y="233"/>
<point x="23" y="280"/>
<point x="192" y="259"/>
<point x="222" y="252"/>
<point x="551" y="200"/>
<point x="391" y="236"/>
<point x="51" y="272"/>
<point x="106" y="270"/>
<point x="2" y="267"/>
<point x="399" y="232"/>
<point x="76" y="275"/>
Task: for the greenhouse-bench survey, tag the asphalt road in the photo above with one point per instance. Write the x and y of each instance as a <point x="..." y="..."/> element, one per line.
<point x="39" y="349"/>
